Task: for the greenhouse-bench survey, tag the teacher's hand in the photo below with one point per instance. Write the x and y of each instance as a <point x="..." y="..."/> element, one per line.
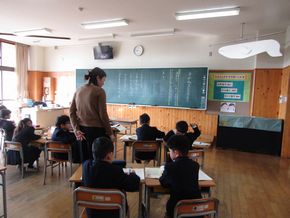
<point x="80" y="135"/>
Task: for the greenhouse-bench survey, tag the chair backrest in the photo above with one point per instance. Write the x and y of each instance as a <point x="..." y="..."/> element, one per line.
<point x="197" y="155"/>
<point x="57" y="147"/>
<point x="14" y="146"/>
<point x="99" y="199"/>
<point x="197" y="207"/>
<point x="144" y="146"/>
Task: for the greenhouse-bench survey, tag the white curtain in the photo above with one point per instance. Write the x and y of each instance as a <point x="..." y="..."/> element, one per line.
<point x="22" y="70"/>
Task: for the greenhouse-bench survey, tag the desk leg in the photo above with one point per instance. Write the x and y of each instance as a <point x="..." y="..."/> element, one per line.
<point x="4" y="193"/>
<point x="125" y="150"/>
<point x="115" y="147"/>
<point x="159" y="155"/>
<point x="147" y="200"/>
<point x="140" y="200"/>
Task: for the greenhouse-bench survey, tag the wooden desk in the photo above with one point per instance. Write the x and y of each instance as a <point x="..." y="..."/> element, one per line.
<point x="3" y="184"/>
<point x="125" y="121"/>
<point x="154" y="186"/>
<point x="203" y="141"/>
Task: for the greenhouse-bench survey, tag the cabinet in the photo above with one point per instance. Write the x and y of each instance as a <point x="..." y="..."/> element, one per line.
<point x="43" y="117"/>
<point x="252" y="134"/>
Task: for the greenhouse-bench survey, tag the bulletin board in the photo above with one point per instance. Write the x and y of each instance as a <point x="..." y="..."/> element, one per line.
<point x="229" y="92"/>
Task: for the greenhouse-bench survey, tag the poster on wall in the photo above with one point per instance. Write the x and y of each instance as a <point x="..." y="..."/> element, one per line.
<point x="228" y="107"/>
<point x="229" y="87"/>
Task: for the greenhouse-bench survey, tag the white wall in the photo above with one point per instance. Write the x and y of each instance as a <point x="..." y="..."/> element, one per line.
<point x="287" y="48"/>
<point x="169" y="52"/>
<point x="36" y="60"/>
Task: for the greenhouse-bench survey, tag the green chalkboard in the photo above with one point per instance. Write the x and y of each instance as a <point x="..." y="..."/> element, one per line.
<point x="167" y="87"/>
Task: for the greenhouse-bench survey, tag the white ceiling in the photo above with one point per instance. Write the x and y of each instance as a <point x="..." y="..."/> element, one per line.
<point x="63" y="17"/>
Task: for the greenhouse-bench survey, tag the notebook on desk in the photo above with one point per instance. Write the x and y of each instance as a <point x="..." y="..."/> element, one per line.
<point x="139" y="172"/>
<point x="200" y="144"/>
<point x="129" y="137"/>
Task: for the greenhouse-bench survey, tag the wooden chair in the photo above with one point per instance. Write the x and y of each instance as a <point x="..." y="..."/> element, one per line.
<point x="147" y="146"/>
<point x="206" y="207"/>
<point x="14" y="146"/>
<point x="197" y="155"/>
<point x="99" y="199"/>
<point x="49" y="161"/>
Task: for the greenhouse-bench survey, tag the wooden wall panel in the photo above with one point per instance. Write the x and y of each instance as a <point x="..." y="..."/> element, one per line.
<point x="165" y="118"/>
<point x="284" y="112"/>
<point x="35" y="83"/>
<point x="266" y="93"/>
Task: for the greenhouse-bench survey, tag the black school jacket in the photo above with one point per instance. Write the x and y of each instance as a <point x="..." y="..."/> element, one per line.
<point x="181" y="177"/>
<point x="101" y="174"/>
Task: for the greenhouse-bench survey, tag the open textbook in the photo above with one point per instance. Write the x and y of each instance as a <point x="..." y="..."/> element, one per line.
<point x="156" y="172"/>
<point x="139" y="172"/>
<point x="119" y="127"/>
<point x="129" y="137"/>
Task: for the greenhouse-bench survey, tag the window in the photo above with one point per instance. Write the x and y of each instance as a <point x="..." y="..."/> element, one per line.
<point x="8" y="84"/>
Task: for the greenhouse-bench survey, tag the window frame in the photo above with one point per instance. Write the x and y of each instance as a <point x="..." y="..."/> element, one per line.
<point x="4" y="68"/>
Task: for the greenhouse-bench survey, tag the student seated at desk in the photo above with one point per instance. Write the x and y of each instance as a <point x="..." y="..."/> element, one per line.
<point x="146" y="133"/>
<point x="7" y="124"/>
<point x="24" y="133"/>
<point x="101" y="173"/>
<point x="182" y="129"/>
<point x="62" y="134"/>
<point x="180" y="175"/>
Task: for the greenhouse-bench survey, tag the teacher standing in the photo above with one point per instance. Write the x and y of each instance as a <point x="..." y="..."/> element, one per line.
<point x="88" y="112"/>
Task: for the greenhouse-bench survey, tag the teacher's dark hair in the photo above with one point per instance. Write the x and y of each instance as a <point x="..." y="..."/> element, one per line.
<point x="93" y="74"/>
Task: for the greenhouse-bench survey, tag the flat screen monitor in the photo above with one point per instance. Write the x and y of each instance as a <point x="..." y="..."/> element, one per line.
<point x="103" y="52"/>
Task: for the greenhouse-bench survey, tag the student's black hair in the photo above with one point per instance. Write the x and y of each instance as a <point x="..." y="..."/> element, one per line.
<point x="179" y="143"/>
<point x="4" y="113"/>
<point x="93" y="74"/>
<point x="101" y="147"/>
<point x="182" y="126"/>
<point x="63" y="119"/>
<point x="21" y="125"/>
<point x="2" y="107"/>
<point x="144" y="118"/>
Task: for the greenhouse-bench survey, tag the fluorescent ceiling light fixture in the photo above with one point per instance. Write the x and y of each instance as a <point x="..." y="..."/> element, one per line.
<point x="104" y="24"/>
<point x="153" y="33"/>
<point x="102" y="36"/>
<point x="248" y="49"/>
<point x="207" y="13"/>
<point x="32" y="32"/>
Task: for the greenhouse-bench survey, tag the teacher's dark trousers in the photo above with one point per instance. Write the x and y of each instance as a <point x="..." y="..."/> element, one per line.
<point x="91" y="133"/>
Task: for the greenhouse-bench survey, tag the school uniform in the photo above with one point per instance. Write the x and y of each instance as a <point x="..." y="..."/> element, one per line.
<point x="31" y="153"/>
<point x="66" y="137"/>
<point x="181" y="177"/>
<point x="191" y="136"/>
<point x="102" y="174"/>
<point x="147" y="133"/>
<point x="9" y="127"/>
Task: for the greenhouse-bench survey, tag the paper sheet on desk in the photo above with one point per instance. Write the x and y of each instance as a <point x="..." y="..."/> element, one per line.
<point x="154" y="172"/>
<point x="197" y="143"/>
<point x="129" y="137"/>
<point x="203" y="176"/>
<point x="119" y="127"/>
<point x="139" y="172"/>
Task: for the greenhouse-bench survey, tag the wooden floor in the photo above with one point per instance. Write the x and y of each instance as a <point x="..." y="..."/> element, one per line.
<point x="248" y="185"/>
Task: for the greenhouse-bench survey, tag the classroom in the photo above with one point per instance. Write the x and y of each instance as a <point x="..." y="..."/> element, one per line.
<point x="229" y="75"/>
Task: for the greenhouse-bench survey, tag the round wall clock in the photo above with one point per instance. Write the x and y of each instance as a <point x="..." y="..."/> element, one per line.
<point x="138" y="50"/>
